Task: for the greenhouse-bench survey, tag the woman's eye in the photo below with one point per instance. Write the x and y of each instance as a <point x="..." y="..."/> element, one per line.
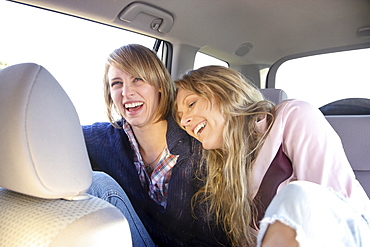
<point x="115" y="83"/>
<point x="137" y="79"/>
<point x="192" y="104"/>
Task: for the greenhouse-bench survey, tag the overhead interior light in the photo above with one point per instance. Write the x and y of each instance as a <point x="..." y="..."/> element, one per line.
<point x="243" y="49"/>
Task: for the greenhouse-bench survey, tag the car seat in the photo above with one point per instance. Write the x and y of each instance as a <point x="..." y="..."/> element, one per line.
<point x="274" y="95"/>
<point x="350" y="118"/>
<point x="45" y="170"/>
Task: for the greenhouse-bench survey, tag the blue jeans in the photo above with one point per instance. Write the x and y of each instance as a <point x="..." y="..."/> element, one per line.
<point x="106" y="188"/>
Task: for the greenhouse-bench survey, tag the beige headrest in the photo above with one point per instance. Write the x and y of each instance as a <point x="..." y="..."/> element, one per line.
<point x="42" y="149"/>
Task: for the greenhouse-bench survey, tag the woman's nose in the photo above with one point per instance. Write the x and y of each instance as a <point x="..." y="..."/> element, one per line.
<point x="127" y="90"/>
<point x="185" y="120"/>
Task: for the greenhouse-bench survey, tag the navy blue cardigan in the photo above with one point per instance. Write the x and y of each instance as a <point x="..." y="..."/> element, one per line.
<point x="110" y="151"/>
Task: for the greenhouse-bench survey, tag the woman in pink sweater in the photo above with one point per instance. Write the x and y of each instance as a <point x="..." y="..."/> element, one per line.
<point x="279" y="172"/>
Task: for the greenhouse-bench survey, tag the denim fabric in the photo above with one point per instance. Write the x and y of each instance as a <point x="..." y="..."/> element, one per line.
<point x="106" y="188"/>
<point x="320" y="217"/>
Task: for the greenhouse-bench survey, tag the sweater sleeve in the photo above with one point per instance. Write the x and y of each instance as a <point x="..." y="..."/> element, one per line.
<point x="93" y="140"/>
<point x="317" y="153"/>
<point x="315" y="149"/>
<point x="105" y="145"/>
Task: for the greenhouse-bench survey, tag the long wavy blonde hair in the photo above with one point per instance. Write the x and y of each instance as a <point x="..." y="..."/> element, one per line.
<point x="228" y="170"/>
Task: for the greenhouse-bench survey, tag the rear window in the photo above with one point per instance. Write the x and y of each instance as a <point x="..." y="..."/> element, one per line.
<point x="72" y="49"/>
<point x="325" y="78"/>
<point x="202" y="59"/>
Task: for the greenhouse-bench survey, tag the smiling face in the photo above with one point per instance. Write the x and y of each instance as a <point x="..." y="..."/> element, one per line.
<point x="201" y="118"/>
<point x="135" y="99"/>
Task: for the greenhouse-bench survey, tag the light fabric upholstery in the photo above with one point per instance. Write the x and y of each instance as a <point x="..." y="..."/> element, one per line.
<point x="42" y="148"/>
<point x="31" y="221"/>
<point x="354" y="131"/>
<point x="274" y="95"/>
<point x="43" y="158"/>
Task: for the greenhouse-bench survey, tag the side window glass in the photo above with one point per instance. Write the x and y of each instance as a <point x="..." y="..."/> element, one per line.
<point x="72" y="49"/>
<point x="164" y="52"/>
<point x="202" y="59"/>
<point x="263" y="76"/>
<point x="325" y="78"/>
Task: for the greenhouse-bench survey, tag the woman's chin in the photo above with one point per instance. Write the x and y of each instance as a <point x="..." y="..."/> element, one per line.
<point x="211" y="145"/>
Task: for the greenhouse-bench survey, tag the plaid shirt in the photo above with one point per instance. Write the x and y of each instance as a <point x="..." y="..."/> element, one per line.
<point x="157" y="183"/>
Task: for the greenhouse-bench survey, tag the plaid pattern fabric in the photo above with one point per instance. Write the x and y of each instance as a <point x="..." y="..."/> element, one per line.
<point x="157" y="183"/>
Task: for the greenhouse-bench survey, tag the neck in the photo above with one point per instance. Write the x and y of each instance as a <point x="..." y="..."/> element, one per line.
<point x="151" y="139"/>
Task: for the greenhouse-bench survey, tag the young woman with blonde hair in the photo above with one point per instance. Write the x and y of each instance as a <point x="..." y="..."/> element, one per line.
<point x="254" y="150"/>
<point x="150" y="157"/>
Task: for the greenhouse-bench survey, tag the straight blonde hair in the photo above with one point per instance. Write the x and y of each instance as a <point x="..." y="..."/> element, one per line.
<point x="141" y="62"/>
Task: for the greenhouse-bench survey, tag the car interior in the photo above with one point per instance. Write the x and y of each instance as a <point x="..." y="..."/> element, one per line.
<point x="260" y="39"/>
<point x="39" y="166"/>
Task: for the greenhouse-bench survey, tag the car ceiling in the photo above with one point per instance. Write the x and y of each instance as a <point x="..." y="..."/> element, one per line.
<point x="274" y="28"/>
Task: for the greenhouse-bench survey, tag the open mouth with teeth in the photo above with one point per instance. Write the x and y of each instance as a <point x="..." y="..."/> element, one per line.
<point x="131" y="107"/>
<point x="199" y="128"/>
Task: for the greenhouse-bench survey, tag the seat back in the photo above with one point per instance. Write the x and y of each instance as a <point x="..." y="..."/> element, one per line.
<point x="354" y="131"/>
<point x="274" y="95"/>
<point x="43" y="159"/>
<point x="350" y="118"/>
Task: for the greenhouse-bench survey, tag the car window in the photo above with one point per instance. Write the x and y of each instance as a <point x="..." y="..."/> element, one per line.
<point x="72" y="49"/>
<point x="202" y="59"/>
<point x="325" y="78"/>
